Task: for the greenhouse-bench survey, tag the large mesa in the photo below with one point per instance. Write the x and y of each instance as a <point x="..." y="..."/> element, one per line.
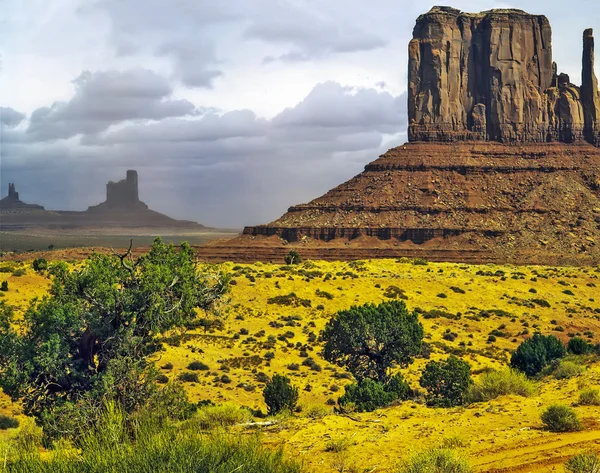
<point x="502" y="163"/>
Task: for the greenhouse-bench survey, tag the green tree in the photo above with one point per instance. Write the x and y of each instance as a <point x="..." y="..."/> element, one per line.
<point x="280" y="395"/>
<point x="447" y="382"/>
<point x="370" y="339"/>
<point x="293" y="257"/>
<point x="89" y="339"/>
<point x="533" y="354"/>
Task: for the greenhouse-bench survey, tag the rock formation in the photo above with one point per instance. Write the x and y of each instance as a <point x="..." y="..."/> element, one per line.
<point x="122" y="195"/>
<point x="500" y="165"/>
<point x="490" y="77"/>
<point x="12" y="202"/>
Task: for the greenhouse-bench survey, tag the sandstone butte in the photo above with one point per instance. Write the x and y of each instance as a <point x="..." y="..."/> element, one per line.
<point x="502" y="163"/>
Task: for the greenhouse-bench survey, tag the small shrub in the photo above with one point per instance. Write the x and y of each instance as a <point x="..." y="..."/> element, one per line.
<point x="162" y="379"/>
<point x="188" y="377"/>
<point x="167" y="366"/>
<point x="578" y="346"/>
<point x="337" y="446"/>
<point x="493" y="384"/>
<point x="567" y="369"/>
<point x="436" y="460"/>
<point x="447" y="382"/>
<point x="533" y="354"/>
<point x="588" y="462"/>
<point x="18" y="273"/>
<point x="560" y="418"/>
<point x="4" y="286"/>
<point x="226" y="415"/>
<point x="589" y="397"/>
<point x="316" y="411"/>
<point x="368" y="395"/>
<point x="7" y="422"/>
<point x="280" y="395"/>
<point x="198" y="366"/>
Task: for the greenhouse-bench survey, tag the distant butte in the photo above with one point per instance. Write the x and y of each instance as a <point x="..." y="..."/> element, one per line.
<point x="122" y="209"/>
<point x="12" y="202"/>
<point x="502" y="164"/>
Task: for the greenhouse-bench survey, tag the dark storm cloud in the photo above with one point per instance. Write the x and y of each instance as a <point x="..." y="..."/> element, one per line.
<point x="225" y="169"/>
<point x="10" y="117"/>
<point x="105" y="98"/>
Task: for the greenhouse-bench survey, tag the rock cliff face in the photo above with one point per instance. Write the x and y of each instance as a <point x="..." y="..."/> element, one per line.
<point x="122" y="195"/>
<point x="490" y="76"/>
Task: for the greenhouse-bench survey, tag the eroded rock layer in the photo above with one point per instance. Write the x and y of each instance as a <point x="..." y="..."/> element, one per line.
<point x="490" y="76"/>
<point x="543" y="198"/>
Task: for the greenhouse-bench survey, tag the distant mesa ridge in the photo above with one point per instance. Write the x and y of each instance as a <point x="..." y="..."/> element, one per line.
<point x="502" y="163"/>
<point x="122" y="209"/>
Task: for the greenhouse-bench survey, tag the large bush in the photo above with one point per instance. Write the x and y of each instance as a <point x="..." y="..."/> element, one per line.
<point x="90" y="339"/>
<point x="370" y="339"/>
<point x="447" y="382"/>
<point x="493" y="384"/>
<point x="560" y="418"/>
<point x="368" y="394"/>
<point x="436" y="460"/>
<point x="280" y="395"/>
<point x="40" y="264"/>
<point x="533" y="354"/>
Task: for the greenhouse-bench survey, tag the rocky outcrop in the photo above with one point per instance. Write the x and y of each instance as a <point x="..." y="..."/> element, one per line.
<point x="490" y="76"/>
<point x="12" y="202"/>
<point x="122" y="195"/>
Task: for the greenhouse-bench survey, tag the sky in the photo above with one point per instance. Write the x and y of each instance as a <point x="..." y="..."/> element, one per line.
<point x="231" y="111"/>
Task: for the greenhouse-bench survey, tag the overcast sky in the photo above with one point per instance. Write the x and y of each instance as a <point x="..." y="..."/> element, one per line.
<point x="230" y="110"/>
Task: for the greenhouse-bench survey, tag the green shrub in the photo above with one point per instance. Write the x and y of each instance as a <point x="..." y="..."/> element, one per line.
<point x="578" y="346"/>
<point x="198" y="366"/>
<point x="316" y="411"/>
<point x="493" y="384"/>
<point x="155" y="447"/>
<point x="447" y="382"/>
<point x="436" y="460"/>
<point x="588" y="462"/>
<point x="162" y="379"/>
<point x="368" y="395"/>
<point x="280" y="395"/>
<point x="4" y="286"/>
<point x="188" y="377"/>
<point x="7" y="422"/>
<point x="40" y="264"/>
<point x="533" y="354"/>
<point x="210" y="417"/>
<point x="589" y="397"/>
<point x="19" y="272"/>
<point x="567" y="369"/>
<point x="560" y="418"/>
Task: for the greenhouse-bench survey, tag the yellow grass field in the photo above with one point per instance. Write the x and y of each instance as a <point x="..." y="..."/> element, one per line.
<point x="460" y="306"/>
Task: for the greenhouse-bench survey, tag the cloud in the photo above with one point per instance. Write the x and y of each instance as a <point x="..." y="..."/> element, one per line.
<point x="10" y="117"/>
<point x="106" y="98"/>
<point x="223" y="169"/>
